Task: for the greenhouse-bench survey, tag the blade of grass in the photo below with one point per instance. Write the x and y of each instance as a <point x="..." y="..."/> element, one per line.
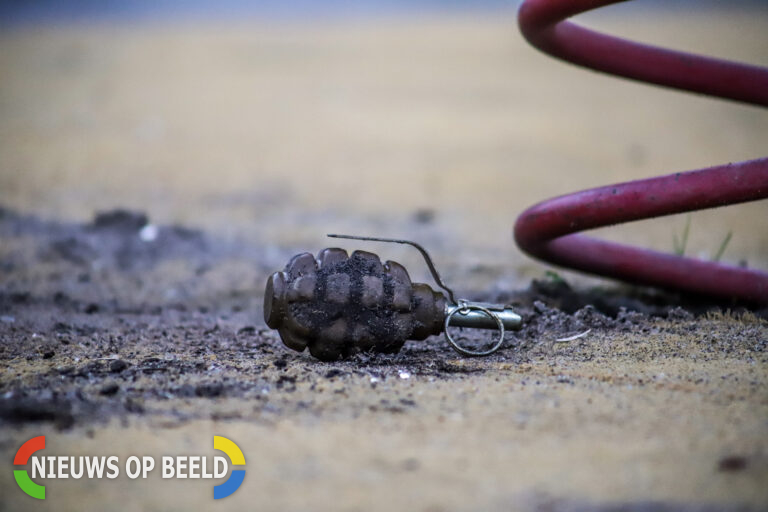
<point x="680" y="244"/>
<point x="723" y="245"/>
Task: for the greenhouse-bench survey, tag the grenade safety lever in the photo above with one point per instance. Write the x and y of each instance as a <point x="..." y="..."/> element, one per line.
<point x="339" y="305"/>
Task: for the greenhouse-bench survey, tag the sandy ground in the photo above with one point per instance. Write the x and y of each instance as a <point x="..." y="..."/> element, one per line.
<point x="245" y="143"/>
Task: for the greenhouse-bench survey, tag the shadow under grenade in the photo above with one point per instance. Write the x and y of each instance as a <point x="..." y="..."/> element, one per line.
<point x="338" y="305"/>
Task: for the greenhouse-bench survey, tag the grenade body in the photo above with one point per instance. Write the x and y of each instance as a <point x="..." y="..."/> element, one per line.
<point x="338" y="305"/>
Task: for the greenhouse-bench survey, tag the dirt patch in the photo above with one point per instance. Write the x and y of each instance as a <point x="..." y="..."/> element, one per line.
<point x="119" y="332"/>
<point x="82" y="349"/>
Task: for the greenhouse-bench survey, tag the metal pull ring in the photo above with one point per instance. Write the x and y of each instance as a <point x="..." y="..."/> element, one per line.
<point x="463" y="308"/>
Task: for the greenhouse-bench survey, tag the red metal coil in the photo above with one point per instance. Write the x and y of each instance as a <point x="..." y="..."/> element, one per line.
<point x="545" y="230"/>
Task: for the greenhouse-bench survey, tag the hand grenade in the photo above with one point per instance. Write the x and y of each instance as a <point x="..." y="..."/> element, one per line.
<point x="338" y="305"/>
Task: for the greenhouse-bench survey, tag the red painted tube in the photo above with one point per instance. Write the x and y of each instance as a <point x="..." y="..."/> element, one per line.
<point x="545" y="230"/>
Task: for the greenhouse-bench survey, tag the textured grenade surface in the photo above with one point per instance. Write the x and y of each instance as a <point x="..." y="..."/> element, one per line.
<point x="339" y="305"/>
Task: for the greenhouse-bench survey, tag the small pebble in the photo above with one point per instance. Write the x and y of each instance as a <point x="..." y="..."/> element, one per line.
<point x="110" y="389"/>
<point x="148" y="233"/>
<point x="732" y="463"/>
<point x="117" y="366"/>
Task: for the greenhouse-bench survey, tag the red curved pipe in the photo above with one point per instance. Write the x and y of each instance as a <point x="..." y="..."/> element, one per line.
<point x="545" y="230"/>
